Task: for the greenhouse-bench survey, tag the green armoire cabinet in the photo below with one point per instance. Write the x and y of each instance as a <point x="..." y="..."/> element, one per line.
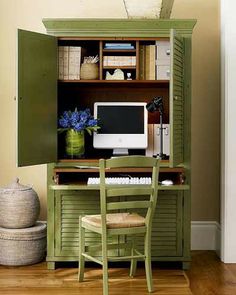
<point x="42" y="98"/>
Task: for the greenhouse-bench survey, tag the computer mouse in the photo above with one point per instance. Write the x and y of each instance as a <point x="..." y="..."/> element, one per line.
<point x="167" y="182"/>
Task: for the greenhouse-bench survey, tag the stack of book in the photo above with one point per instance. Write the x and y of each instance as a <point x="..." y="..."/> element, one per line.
<point x="116" y="46"/>
<point x="69" y="61"/>
<point x="155" y="61"/>
<point x="147" y="62"/>
<point x="119" y="61"/>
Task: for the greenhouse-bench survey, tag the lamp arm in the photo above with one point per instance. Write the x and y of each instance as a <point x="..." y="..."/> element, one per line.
<point x="161" y="134"/>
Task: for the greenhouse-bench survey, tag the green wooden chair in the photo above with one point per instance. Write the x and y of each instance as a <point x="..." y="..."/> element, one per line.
<point x="124" y="221"/>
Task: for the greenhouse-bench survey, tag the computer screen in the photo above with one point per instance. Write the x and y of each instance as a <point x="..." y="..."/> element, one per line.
<point x="123" y="126"/>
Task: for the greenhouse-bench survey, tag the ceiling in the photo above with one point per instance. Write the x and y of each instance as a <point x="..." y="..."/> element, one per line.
<point x="148" y="8"/>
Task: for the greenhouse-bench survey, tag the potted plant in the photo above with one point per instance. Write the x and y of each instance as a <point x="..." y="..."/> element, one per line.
<point x="74" y="124"/>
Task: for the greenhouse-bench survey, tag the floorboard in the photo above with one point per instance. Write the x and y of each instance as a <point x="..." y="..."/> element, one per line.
<point x="209" y="276"/>
<point x="36" y="279"/>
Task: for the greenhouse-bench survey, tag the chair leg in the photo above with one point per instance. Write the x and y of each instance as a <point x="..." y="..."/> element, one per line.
<point x="81" y="250"/>
<point x="105" y="265"/>
<point x="133" y="264"/>
<point x="148" y="267"/>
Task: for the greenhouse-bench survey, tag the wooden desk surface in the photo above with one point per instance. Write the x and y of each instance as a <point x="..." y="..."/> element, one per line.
<point x="96" y="187"/>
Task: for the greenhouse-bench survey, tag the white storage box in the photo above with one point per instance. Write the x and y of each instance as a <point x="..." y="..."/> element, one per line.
<point x="163" y="50"/>
<point x="163" y="72"/>
<point x="162" y="60"/>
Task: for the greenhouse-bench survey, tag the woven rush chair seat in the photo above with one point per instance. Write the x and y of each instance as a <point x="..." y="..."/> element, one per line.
<point x="116" y="220"/>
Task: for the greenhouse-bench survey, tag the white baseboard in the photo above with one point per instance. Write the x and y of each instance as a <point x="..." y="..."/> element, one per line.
<point x="205" y="235"/>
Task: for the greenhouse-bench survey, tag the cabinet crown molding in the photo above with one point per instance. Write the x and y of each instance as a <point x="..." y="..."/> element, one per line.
<point x="117" y="27"/>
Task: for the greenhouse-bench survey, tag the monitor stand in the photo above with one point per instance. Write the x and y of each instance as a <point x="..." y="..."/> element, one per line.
<point x="120" y="152"/>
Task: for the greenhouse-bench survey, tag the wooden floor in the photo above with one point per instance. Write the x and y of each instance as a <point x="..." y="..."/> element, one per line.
<point x="207" y="276"/>
<point x="37" y="280"/>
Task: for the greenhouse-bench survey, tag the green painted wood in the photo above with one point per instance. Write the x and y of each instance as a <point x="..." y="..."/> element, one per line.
<point x="176" y="100"/>
<point x="50" y="214"/>
<point x="160" y="258"/>
<point x="130" y="161"/>
<point x="167" y="226"/>
<point x="67" y="232"/>
<point x="187" y="154"/>
<point x="124" y="162"/>
<point x="37" y="98"/>
<point x="96" y="187"/>
<point x="116" y="27"/>
<point x="58" y="223"/>
<point x="128" y="205"/>
<point x="81" y="250"/>
<point x="51" y="265"/>
<point x="127" y="191"/>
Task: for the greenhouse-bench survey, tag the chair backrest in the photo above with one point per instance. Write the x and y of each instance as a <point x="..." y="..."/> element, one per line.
<point x="118" y="197"/>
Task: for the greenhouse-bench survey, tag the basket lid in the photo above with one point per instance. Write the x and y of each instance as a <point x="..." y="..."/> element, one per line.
<point x="38" y="231"/>
<point x="15" y="185"/>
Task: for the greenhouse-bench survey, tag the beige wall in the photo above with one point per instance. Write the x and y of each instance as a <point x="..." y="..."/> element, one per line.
<point x="27" y="14"/>
<point x="205" y="105"/>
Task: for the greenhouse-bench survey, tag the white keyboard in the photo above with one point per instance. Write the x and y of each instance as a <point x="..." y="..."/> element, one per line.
<point x="121" y="180"/>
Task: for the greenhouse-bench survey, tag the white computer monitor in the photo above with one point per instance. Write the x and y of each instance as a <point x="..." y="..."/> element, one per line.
<point x="124" y="125"/>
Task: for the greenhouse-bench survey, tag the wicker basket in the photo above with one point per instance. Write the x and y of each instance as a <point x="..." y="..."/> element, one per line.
<point x="23" y="246"/>
<point x="19" y="206"/>
<point x="89" y="71"/>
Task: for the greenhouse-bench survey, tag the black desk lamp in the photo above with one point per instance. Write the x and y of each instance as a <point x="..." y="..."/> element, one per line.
<point x="157" y="105"/>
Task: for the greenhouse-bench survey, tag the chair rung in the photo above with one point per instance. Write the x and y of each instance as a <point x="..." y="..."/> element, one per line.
<point x="92" y="258"/>
<point x="127" y="231"/>
<point x="92" y="248"/>
<point x="126" y="257"/>
<point x="92" y="228"/>
<point x="138" y="253"/>
<point x="109" y="247"/>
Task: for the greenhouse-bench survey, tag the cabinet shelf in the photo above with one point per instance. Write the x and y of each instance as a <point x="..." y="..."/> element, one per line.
<point x="124" y="170"/>
<point x="83" y="186"/>
<point x="119" y="50"/>
<point x="119" y="67"/>
<point x="117" y="81"/>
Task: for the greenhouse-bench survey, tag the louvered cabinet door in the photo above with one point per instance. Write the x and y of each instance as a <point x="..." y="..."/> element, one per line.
<point x="167" y="226"/>
<point x="177" y="99"/>
<point x="70" y="204"/>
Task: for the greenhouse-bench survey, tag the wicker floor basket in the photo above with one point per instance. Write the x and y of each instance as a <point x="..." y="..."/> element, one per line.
<point x="23" y="246"/>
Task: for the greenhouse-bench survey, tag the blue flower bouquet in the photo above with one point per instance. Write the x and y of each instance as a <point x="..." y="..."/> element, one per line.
<point x="75" y="123"/>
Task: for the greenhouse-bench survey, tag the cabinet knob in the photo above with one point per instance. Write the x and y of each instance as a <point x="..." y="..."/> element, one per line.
<point x="175" y="97"/>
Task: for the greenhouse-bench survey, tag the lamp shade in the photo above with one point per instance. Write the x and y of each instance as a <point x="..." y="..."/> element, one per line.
<point x="155" y="105"/>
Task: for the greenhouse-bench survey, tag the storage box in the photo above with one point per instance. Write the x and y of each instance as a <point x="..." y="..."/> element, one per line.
<point x="163" y="50"/>
<point x="162" y="60"/>
<point x="163" y="72"/>
<point x="23" y="246"/>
